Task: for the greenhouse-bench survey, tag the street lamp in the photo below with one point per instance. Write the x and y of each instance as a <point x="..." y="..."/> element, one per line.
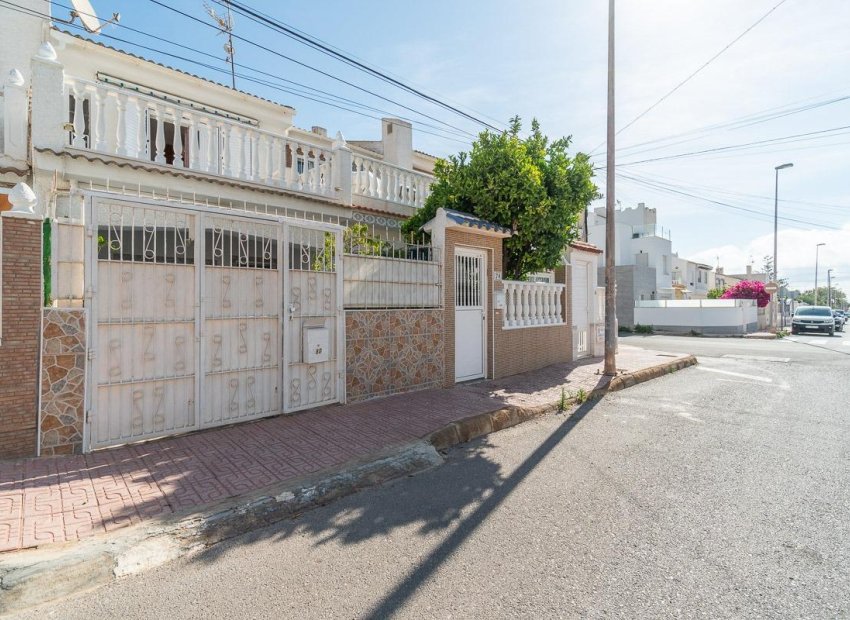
<point x="817" y="250"/>
<point x="776" y="237"/>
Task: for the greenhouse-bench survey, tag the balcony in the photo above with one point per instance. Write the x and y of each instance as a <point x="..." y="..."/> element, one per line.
<point x="650" y="230"/>
<point x="173" y="132"/>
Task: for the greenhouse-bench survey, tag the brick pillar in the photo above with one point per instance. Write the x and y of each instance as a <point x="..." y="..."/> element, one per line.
<point x="20" y="322"/>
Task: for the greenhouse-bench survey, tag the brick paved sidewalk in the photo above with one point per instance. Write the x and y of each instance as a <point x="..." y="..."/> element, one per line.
<point x="61" y="499"/>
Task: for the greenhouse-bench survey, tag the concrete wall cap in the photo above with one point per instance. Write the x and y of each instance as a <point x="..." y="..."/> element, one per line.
<point x="15" y="78"/>
<point x="46" y="51"/>
<point x="24" y="202"/>
<point x="339" y="141"/>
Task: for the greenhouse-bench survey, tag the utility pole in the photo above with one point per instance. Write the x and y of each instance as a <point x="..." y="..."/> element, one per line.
<point x="610" y="250"/>
<point x="775" y="240"/>
<point x="817" y="252"/>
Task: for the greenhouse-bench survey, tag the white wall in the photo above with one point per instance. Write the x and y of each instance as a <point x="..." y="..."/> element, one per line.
<point x="732" y="316"/>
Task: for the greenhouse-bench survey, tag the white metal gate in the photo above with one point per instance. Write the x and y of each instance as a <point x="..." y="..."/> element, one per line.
<point x="314" y="350"/>
<point x="188" y="323"/>
<point x="470" y="314"/>
<point x="240" y="320"/>
<point x="143" y="273"/>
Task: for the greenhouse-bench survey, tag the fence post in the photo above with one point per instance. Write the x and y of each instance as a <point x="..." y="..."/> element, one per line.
<point x="341" y="169"/>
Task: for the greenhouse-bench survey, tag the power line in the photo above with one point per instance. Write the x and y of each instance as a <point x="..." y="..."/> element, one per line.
<point x="833" y="208"/>
<point x="314" y="43"/>
<point x="312" y="68"/>
<point x="746" y="212"/>
<point x="265" y="73"/>
<point x="31" y="12"/>
<point x="668" y="188"/>
<point x="388" y="72"/>
<point x="745" y="121"/>
<point x="698" y="70"/>
<point x="802" y="137"/>
<point x="35" y="13"/>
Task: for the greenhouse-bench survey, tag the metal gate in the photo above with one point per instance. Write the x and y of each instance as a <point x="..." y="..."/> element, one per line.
<point x="313" y="353"/>
<point x="190" y="312"/>
<point x="241" y="301"/>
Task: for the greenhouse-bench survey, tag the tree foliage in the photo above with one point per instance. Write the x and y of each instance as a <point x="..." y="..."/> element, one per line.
<point x="716" y="293"/>
<point x="530" y="185"/>
<point x="839" y="297"/>
<point x="748" y="289"/>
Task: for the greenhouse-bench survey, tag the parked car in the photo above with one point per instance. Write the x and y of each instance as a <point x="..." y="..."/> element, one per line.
<point x="840" y="320"/>
<point x="813" y="319"/>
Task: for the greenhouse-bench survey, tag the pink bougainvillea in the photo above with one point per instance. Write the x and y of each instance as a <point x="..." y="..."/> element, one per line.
<point x="748" y="289"/>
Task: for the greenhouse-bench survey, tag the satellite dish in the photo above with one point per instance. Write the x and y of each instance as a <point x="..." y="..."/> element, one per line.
<point x="88" y="18"/>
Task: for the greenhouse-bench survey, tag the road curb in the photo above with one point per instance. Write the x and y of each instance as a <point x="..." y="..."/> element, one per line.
<point x="33" y="577"/>
<point x="482" y="424"/>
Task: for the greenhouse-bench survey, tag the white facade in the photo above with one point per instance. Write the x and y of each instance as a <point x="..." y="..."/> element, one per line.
<point x="691" y="280"/>
<point x="639" y="242"/>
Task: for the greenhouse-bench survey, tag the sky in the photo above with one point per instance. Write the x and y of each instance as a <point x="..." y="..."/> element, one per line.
<point x="540" y="59"/>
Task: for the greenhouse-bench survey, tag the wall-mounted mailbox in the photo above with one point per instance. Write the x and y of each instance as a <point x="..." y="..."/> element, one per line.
<point x="499" y="300"/>
<point x="316" y="346"/>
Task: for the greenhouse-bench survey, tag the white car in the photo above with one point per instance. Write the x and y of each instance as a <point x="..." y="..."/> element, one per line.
<point x="813" y="319"/>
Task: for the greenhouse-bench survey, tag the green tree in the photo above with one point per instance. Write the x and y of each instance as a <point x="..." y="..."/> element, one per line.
<point x="716" y="293"/>
<point x="839" y="297"/>
<point x="530" y="185"/>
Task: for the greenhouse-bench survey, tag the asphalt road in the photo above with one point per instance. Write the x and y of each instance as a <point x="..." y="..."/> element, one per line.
<point x="722" y="490"/>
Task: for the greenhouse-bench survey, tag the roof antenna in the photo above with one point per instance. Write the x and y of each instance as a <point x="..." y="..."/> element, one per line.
<point x="225" y="26"/>
<point x="84" y="11"/>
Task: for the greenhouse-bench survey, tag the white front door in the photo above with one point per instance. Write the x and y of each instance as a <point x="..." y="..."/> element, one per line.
<point x="581" y="305"/>
<point x="470" y="314"/>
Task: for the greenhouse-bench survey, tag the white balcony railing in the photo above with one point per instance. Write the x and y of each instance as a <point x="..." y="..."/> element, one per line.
<point x="107" y="119"/>
<point x="376" y="179"/>
<point x="528" y="304"/>
<point x="114" y="121"/>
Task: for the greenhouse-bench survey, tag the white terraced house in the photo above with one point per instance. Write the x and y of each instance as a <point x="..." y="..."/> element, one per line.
<point x="174" y="206"/>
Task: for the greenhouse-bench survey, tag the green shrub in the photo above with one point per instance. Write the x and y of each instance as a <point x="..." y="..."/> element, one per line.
<point x="643" y="329"/>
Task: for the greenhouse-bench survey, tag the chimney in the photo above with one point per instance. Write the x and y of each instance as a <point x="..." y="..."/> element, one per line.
<point x="641" y="205"/>
<point x="749" y="270"/>
<point x="719" y="271"/>
<point x="397" y="136"/>
<point x="319" y="131"/>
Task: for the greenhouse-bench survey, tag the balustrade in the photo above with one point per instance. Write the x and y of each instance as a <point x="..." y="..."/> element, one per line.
<point x="376" y="179"/>
<point x="110" y="120"/>
<point x="116" y="121"/>
<point x="528" y="304"/>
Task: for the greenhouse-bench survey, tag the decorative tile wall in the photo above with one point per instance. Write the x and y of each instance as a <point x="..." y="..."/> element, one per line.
<point x="393" y="351"/>
<point x="63" y="362"/>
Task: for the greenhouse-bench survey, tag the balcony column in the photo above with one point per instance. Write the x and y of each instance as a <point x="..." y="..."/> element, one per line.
<point x="79" y="122"/>
<point x="99" y="122"/>
<point x="178" y="138"/>
<point x="159" y="141"/>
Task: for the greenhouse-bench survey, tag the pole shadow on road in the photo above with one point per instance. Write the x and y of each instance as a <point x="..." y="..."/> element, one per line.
<point x="360" y="517"/>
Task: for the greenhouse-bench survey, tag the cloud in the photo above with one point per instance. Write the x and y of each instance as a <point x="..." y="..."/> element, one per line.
<point x="796" y="255"/>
